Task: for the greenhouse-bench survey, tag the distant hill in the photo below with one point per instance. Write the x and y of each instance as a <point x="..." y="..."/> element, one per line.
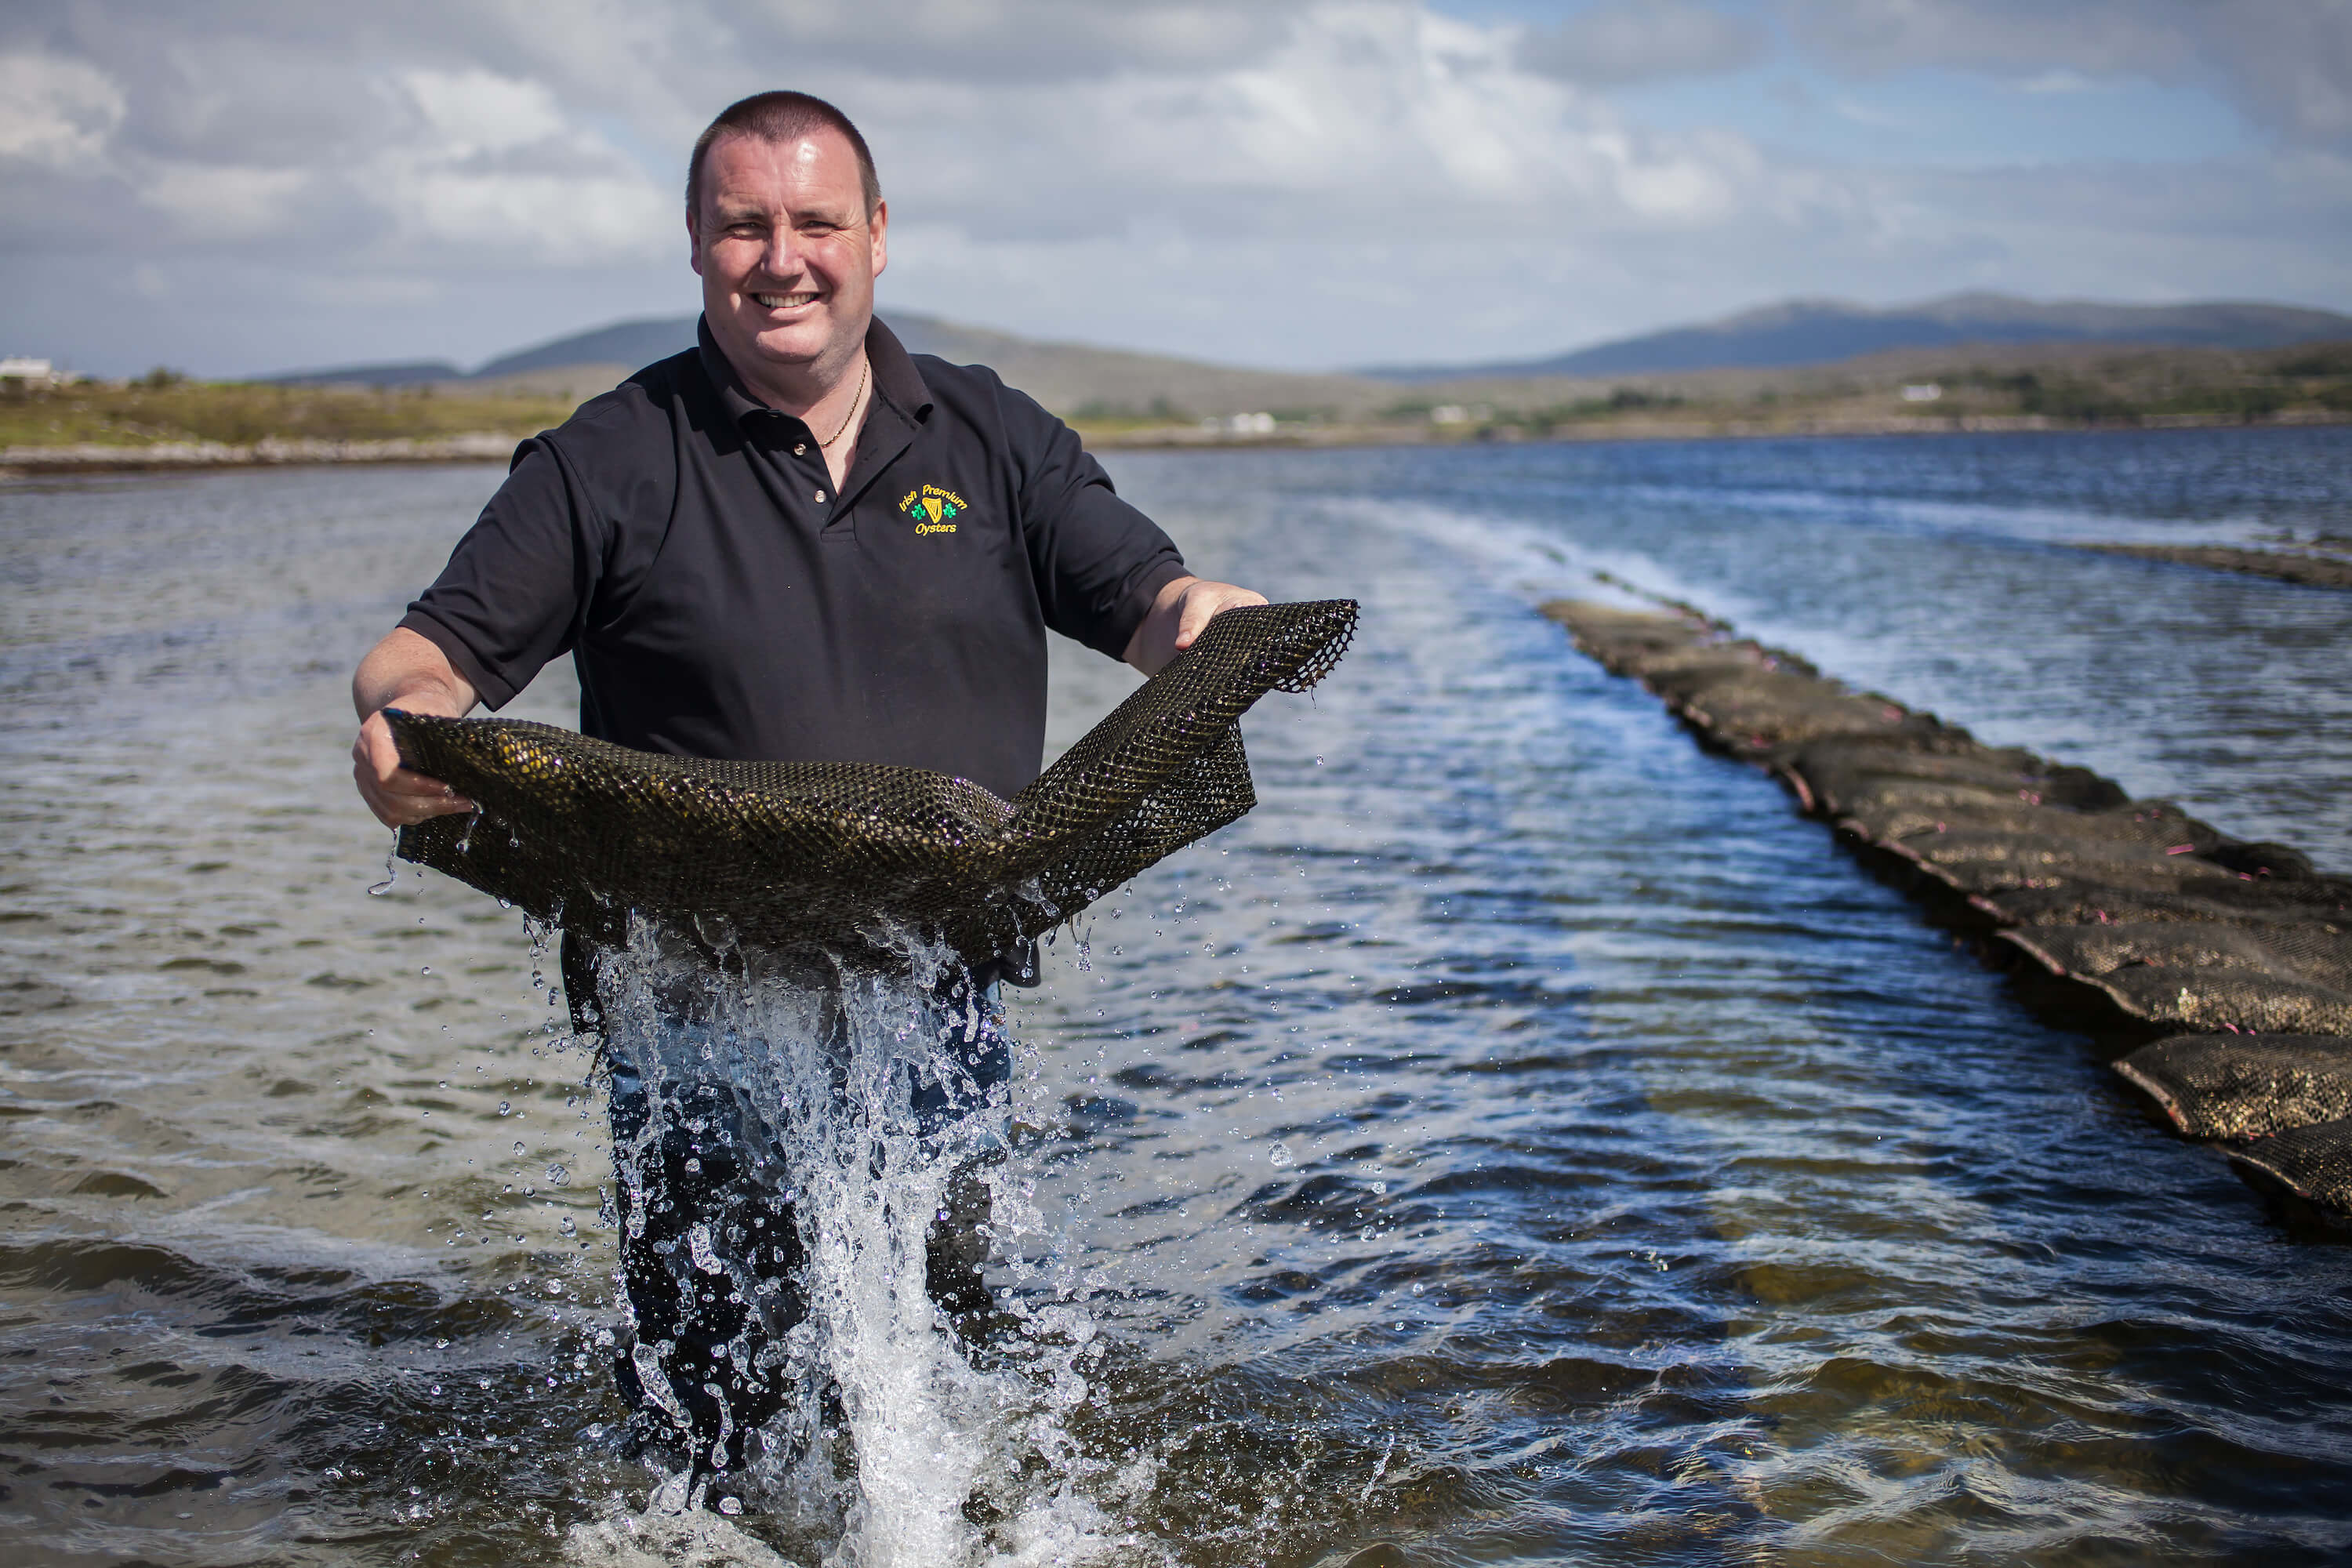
<point x="1069" y="378"/>
<point x="637" y="343"/>
<point x="1816" y="332"/>
<point x="404" y="372"/>
<point x="632" y="344"/>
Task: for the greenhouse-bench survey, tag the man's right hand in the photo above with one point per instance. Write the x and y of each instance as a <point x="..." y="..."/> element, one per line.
<point x="407" y="672"/>
<point x="398" y="795"/>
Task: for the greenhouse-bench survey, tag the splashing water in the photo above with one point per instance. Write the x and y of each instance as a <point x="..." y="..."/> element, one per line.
<point x="812" y="1176"/>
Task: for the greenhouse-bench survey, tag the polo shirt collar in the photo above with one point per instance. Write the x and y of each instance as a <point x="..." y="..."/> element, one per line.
<point x="896" y="379"/>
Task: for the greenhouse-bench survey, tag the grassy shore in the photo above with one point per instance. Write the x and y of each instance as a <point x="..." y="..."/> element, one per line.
<point x="2064" y="387"/>
<point x="164" y="420"/>
<point x="163" y="410"/>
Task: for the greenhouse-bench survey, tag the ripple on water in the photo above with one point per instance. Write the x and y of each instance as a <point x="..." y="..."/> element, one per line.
<point x="1521" y="1140"/>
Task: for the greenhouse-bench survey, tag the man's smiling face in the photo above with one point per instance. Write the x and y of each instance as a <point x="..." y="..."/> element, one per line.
<point x="788" y="256"/>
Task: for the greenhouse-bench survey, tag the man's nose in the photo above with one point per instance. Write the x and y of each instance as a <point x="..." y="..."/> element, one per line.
<point x="781" y="258"/>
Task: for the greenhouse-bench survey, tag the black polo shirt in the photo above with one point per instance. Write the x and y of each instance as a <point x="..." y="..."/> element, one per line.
<point x="683" y="542"/>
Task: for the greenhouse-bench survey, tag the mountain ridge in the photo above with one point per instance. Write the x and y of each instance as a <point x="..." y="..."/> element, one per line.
<point x="1080" y="379"/>
<point x="1069" y="378"/>
<point x="1792" y="333"/>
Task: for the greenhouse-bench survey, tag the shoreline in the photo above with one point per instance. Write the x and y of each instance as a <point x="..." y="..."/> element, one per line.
<point x="2214" y="973"/>
<point x="1187" y="437"/>
<point x="168" y="456"/>
<point x="271" y="452"/>
<point x="2303" y="568"/>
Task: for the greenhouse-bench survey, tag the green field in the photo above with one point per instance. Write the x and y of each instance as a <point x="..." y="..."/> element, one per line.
<point x="161" y="408"/>
<point x="2068" y="387"/>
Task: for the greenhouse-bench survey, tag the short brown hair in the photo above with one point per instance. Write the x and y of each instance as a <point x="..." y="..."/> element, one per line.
<point x="778" y="116"/>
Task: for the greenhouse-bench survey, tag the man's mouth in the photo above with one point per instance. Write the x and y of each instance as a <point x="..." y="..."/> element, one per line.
<point x="786" y="301"/>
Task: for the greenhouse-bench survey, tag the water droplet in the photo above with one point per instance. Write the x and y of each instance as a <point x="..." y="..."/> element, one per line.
<point x="426" y="970"/>
<point x="520" y="1150"/>
<point x="505" y="1108"/>
<point x="728" y="1505"/>
<point x="697" y="1241"/>
<point x="568" y="1229"/>
<point x="557" y="1175"/>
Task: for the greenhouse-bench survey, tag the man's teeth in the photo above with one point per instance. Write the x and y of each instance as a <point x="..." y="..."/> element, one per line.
<point x="785" y="301"/>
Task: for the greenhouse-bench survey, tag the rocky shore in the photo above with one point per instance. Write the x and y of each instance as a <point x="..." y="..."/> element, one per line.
<point x="2309" y="569"/>
<point x="95" y="458"/>
<point x="2129" y="917"/>
<point x="91" y="458"/>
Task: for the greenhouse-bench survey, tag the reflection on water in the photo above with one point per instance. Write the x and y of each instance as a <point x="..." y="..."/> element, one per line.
<point x="1521" y="1140"/>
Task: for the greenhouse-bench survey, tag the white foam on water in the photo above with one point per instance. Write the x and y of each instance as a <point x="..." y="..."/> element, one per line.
<point x="890" y="1429"/>
<point x="667" y="1533"/>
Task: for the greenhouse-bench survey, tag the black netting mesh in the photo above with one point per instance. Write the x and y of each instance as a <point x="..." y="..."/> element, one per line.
<point x="2245" y="1086"/>
<point x="824" y="853"/>
<point x="2173" y="920"/>
<point x="2260" y="1000"/>
<point x="1926" y="763"/>
<point x="2313" y="1162"/>
<point x="2302" y="951"/>
<point x="1991" y="862"/>
<point x="2257" y="905"/>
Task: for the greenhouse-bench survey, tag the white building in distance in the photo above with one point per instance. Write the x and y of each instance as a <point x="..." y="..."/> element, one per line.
<point x="28" y="370"/>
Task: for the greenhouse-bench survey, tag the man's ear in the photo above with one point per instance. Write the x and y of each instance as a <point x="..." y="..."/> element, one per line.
<point x="693" y="246"/>
<point x="881" y="226"/>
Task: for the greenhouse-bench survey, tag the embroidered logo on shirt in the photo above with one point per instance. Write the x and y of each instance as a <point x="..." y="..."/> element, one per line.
<point x="933" y="510"/>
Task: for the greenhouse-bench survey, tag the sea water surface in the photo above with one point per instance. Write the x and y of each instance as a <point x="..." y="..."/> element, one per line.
<point x="1522" y="1140"/>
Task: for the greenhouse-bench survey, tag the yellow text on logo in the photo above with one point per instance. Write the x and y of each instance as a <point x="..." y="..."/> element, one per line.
<point x="933" y="510"/>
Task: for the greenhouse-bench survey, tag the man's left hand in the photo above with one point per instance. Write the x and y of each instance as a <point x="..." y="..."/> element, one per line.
<point x="1177" y="616"/>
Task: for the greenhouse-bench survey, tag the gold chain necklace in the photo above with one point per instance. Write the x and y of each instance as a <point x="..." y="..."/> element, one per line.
<point x="864" y="368"/>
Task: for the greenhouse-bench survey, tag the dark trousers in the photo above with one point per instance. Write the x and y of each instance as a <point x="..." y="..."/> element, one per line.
<point x="710" y="1250"/>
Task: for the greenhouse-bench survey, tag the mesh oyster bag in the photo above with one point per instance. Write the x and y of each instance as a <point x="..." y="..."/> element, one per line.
<point x="826" y="854"/>
<point x="2245" y="1086"/>
<point x="2313" y="1162"/>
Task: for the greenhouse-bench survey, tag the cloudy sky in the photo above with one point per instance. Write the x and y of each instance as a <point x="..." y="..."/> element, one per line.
<point x="250" y="185"/>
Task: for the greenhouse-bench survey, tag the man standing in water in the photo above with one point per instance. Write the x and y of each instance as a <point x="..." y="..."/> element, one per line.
<point x="796" y="542"/>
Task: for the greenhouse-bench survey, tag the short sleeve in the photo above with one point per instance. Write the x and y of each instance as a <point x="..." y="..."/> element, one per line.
<point x="516" y="590"/>
<point x="1098" y="562"/>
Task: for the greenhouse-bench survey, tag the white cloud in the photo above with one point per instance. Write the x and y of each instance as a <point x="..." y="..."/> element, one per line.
<point x="1366" y="121"/>
<point x="479" y="110"/>
<point x="2059" y="81"/>
<point x="2287" y="63"/>
<point x="1299" y="181"/>
<point x="544" y="219"/>
<point x="213" y="203"/>
<point x="2098" y="37"/>
<point x="56" y="112"/>
<point x="1640" y="40"/>
<point x="497" y="168"/>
